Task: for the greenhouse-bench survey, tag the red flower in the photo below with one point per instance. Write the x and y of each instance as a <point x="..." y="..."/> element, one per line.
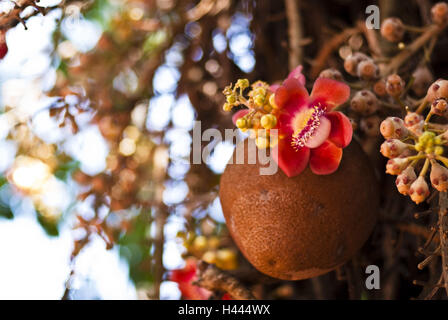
<point x="185" y="277"/>
<point x="3" y="46"/>
<point x="308" y="130"/>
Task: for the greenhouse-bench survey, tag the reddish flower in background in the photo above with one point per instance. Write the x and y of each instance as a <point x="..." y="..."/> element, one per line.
<point x="3" y="45"/>
<point x="185" y="278"/>
<point x="309" y="132"/>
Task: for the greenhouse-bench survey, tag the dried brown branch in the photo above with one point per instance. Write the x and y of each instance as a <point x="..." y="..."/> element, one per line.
<point x="214" y="279"/>
<point x="333" y="44"/>
<point x="443" y="233"/>
<point x="410" y="50"/>
<point x="295" y="33"/>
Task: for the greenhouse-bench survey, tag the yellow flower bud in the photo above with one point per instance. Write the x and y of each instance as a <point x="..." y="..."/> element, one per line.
<point x="241" y="123"/>
<point x="268" y="121"/>
<point x="209" y="257"/>
<point x="438" y="150"/>
<point x="226" y="259"/>
<point x="418" y="146"/>
<point x="214" y="242"/>
<point x="262" y="142"/>
<point x="267" y="108"/>
<point x="227" y="107"/>
<point x="200" y="243"/>
<point x="272" y="101"/>
<point x="259" y="100"/>
<point x="242" y="83"/>
<point x="231" y="99"/>
<point x="260" y="91"/>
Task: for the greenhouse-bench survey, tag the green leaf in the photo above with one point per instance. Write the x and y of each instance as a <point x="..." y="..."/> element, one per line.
<point x="5" y="211"/>
<point x="65" y="169"/>
<point x="50" y="226"/>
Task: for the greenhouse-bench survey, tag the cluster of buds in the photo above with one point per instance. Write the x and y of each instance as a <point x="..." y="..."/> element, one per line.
<point x="262" y="113"/>
<point x="416" y="144"/>
<point x="211" y="249"/>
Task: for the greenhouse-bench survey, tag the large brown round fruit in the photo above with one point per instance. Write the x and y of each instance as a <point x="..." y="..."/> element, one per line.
<point x="305" y="226"/>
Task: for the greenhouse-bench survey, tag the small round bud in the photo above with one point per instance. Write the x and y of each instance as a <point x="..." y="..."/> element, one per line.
<point x="394" y="85"/>
<point x="262" y="142"/>
<point x="393" y="148"/>
<point x="405" y="179"/>
<point x="439" y="13"/>
<point x="419" y="190"/>
<point x="393" y="128"/>
<point x="439" y="177"/>
<point x="380" y="88"/>
<point x="412" y="118"/>
<point x="200" y="243"/>
<point x="226" y="259"/>
<point x="438" y="151"/>
<point x="259" y="100"/>
<point x="241" y="123"/>
<point x="422" y="80"/>
<point x="227" y="107"/>
<point x="367" y="70"/>
<point x="231" y="99"/>
<point x="370" y="126"/>
<point x="396" y="166"/>
<point x="364" y="102"/>
<point x="331" y="73"/>
<point x="352" y="61"/>
<point x="242" y="83"/>
<point x="439" y="107"/>
<point x="272" y="101"/>
<point x="209" y="257"/>
<point x="392" y="29"/>
<point x="214" y="242"/>
<point x="437" y="90"/>
<point x="268" y="121"/>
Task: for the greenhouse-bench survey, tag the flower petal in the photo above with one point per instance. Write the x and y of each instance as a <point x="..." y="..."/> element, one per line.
<point x="239" y="114"/>
<point x="291" y="94"/>
<point x="341" y="129"/>
<point x="320" y="135"/>
<point x="325" y="159"/>
<point x="297" y="74"/>
<point x="330" y="91"/>
<point x="292" y="162"/>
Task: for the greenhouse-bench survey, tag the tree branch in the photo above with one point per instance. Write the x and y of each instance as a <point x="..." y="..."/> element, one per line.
<point x="294" y="32"/>
<point x="214" y="279"/>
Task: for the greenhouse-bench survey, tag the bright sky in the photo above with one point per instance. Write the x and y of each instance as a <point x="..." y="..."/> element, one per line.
<point x="36" y="266"/>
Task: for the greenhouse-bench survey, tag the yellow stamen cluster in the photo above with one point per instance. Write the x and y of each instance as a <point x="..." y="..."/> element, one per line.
<point x="263" y="111"/>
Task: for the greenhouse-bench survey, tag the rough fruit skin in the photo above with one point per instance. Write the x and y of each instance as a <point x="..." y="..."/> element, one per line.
<point x="301" y="227"/>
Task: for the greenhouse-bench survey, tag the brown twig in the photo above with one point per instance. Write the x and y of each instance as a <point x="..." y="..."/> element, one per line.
<point x="295" y="33"/>
<point x="410" y="50"/>
<point x="322" y="58"/>
<point x="214" y="279"/>
<point x="443" y="233"/>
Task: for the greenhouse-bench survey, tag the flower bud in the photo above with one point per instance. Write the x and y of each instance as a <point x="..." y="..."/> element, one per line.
<point x="367" y="70"/>
<point x="364" y="102"/>
<point x="392" y="29"/>
<point x="439" y="177"/>
<point x="352" y="61"/>
<point x="412" y="118"/>
<point x="439" y="13"/>
<point x="393" y="128"/>
<point x="394" y="85"/>
<point x="331" y="73"/>
<point x="370" y="126"/>
<point x="393" y="148"/>
<point x="422" y="80"/>
<point x="396" y="166"/>
<point x="439" y="107"/>
<point x="380" y="88"/>
<point x="437" y="90"/>
<point x="405" y="179"/>
<point x="268" y="121"/>
<point x="419" y="190"/>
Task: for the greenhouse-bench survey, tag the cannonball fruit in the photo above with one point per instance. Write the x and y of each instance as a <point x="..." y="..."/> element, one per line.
<point x="304" y="226"/>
